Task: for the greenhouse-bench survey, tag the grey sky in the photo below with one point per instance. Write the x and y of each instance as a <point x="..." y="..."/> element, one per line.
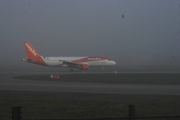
<point x="149" y="33"/>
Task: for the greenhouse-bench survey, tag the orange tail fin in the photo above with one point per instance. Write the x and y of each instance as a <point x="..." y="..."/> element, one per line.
<point x="31" y="52"/>
<point x="33" y="55"/>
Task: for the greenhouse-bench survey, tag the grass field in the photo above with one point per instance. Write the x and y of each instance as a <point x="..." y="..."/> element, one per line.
<point x="56" y="105"/>
<point x="49" y="105"/>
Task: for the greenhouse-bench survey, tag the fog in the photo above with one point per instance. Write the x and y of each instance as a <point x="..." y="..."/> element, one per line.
<point x="137" y="34"/>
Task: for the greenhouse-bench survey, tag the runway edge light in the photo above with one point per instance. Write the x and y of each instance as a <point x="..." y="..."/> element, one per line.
<point x="55" y="76"/>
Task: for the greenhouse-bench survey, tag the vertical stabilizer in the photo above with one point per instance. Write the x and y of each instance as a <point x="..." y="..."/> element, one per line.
<point x="33" y="55"/>
<point x="30" y="51"/>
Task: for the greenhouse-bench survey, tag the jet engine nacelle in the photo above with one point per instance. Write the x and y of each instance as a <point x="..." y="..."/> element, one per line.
<point x="83" y="67"/>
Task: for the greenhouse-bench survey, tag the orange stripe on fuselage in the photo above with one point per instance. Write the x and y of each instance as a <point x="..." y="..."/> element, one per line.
<point x="88" y="59"/>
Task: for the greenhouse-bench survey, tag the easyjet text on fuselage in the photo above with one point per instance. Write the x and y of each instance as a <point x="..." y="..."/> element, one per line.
<point x="94" y="58"/>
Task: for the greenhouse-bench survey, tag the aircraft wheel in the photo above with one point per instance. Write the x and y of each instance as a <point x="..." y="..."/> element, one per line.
<point x="103" y="69"/>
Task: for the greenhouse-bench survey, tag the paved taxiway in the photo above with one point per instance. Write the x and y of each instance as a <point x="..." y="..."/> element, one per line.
<point x="8" y="83"/>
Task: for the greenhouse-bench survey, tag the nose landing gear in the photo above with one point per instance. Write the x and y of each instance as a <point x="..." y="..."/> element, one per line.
<point x="102" y="69"/>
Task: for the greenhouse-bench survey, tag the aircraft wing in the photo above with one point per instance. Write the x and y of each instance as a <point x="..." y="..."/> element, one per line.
<point x="76" y="65"/>
<point x="71" y="64"/>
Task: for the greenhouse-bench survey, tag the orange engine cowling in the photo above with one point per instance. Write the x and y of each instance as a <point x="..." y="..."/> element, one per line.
<point x="83" y="67"/>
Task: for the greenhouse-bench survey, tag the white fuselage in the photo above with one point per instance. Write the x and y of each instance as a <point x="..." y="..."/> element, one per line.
<point x="58" y="61"/>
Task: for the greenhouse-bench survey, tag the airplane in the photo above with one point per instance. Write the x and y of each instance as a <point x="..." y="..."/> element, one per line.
<point x="81" y="63"/>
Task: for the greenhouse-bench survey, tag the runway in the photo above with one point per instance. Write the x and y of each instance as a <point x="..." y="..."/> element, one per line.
<point x="8" y="83"/>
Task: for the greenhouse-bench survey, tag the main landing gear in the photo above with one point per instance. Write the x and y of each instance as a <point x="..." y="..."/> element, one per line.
<point x="102" y="69"/>
<point x="71" y="70"/>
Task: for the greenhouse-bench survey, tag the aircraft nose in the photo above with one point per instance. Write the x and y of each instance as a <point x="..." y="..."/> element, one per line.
<point x="113" y="62"/>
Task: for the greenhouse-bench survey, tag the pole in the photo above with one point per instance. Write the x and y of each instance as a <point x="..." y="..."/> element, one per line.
<point x="131" y="112"/>
<point x="16" y="113"/>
